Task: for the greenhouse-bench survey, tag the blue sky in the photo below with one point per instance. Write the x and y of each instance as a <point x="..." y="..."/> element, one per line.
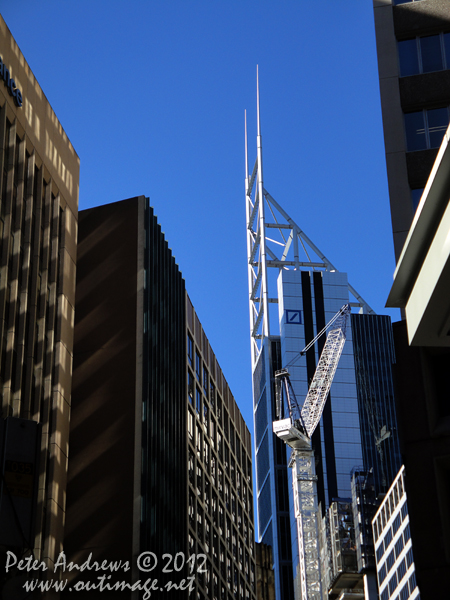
<point x="152" y="96"/>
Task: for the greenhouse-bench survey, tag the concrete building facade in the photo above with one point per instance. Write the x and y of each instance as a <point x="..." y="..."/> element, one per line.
<point x="414" y="67"/>
<point x="39" y="171"/>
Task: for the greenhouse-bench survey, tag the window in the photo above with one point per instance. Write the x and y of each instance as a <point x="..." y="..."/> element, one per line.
<point x="390" y="561"/>
<point x="407" y="533"/>
<point x="198" y="401"/>
<point x="190" y="387"/>
<point x="424" y="54"/>
<point x="425" y="128"/>
<point x="205" y="381"/>
<point x="396" y="524"/>
<point x="416" y="195"/>
<point x="393" y="583"/>
<point x="409" y="558"/>
<point x="404" y="592"/>
<point x="212" y="394"/>
<point x="404" y="511"/>
<point x="198" y="366"/>
<point x="190" y="350"/>
<point x="398" y="546"/>
<point x="387" y="538"/>
<point x="380" y="552"/>
<point x="404" y="1"/>
<point x="401" y="571"/>
<point x="382" y="575"/>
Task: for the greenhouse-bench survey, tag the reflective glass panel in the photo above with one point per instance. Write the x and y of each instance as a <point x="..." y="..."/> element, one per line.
<point x="408" y="57"/>
<point x="415" y="131"/>
<point x="437" y="125"/>
<point x="430" y="48"/>
<point x="446" y="37"/>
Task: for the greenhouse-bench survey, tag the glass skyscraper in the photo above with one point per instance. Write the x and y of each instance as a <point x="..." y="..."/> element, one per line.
<point x="290" y="301"/>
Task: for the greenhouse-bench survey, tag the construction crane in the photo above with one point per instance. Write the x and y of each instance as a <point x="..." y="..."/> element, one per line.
<point x="296" y="431"/>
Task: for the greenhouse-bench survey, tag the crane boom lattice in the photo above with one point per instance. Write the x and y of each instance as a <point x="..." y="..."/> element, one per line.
<point x="320" y="386"/>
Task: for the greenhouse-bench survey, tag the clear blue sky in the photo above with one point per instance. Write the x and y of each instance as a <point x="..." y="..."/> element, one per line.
<point x="152" y="95"/>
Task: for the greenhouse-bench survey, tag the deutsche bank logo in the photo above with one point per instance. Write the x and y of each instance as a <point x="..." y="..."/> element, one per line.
<point x="293" y="317"/>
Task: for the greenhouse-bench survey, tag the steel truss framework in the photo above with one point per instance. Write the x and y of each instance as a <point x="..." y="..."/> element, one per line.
<point x="274" y="241"/>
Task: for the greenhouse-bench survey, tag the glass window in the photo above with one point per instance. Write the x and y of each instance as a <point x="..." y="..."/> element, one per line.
<point x="190" y="387"/>
<point x="205" y="381"/>
<point x="416" y="195"/>
<point x="190" y="350"/>
<point x="408" y="57"/>
<point x="425" y="128"/>
<point x="198" y="366"/>
<point x="198" y="401"/>
<point x="430" y="51"/>
<point x="437" y="125"/>
<point x="393" y="583"/>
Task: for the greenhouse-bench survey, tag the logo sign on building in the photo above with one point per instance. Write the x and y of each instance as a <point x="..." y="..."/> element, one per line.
<point x="10" y="84"/>
<point x="293" y="317"/>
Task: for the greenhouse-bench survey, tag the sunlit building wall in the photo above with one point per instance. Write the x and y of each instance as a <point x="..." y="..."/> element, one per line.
<point x="39" y="171"/>
<point x="393" y="546"/>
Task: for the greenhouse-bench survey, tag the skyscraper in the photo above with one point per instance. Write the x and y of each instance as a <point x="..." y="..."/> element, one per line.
<point x="160" y="454"/>
<point x="39" y="172"/>
<point x="291" y="300"/>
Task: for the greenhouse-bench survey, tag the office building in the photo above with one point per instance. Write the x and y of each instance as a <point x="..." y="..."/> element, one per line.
<point x="39" y="172"/>
<point x="393" y="546"/>
<point x="374" y="356"/>
<point x="413" y="47"/>
<point x="160" y="455"/>
<point x="413" y="58"/>
<point x="291" y="300"/>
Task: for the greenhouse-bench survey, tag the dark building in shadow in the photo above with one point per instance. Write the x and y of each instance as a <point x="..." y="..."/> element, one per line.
<point x="160" y="465"/>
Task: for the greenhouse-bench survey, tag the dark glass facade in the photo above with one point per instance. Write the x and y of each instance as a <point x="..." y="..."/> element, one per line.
<point x="164" y="436"/>
<point x="374" y="356"/>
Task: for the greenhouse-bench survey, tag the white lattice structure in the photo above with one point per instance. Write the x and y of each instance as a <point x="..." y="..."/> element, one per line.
<point x="274" y="241"/>
<point x="320" y="386"/>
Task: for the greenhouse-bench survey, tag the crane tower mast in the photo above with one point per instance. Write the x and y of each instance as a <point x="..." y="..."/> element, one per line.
<point x="296" y="431"/>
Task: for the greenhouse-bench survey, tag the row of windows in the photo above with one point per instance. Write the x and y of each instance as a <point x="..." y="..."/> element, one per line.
<point x="405" y="593"/>
<point x="398" y="547"/>
<point x="392" y="500"/>
<point x="228" y="558"/>
<point x="207" y="387"/>
<point x="216" y="468"/>
<point x="424" y="54"/>
<point x="208" y="428"/>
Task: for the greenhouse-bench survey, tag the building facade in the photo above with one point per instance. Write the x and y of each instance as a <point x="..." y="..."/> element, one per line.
<point x="413" y="47"/>
<point x="39" y="172"/>
<point x="160" y="454"/>
<point x="393" y="546"/>
<point x="414" y="69"/>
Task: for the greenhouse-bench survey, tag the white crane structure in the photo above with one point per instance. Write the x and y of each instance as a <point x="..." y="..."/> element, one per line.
<point x="296" y="431"/>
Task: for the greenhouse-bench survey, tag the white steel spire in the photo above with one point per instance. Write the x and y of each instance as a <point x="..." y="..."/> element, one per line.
<point x="274" y="240"/>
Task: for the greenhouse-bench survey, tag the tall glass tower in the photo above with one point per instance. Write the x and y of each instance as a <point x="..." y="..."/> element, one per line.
<point x="290" y="301"/>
